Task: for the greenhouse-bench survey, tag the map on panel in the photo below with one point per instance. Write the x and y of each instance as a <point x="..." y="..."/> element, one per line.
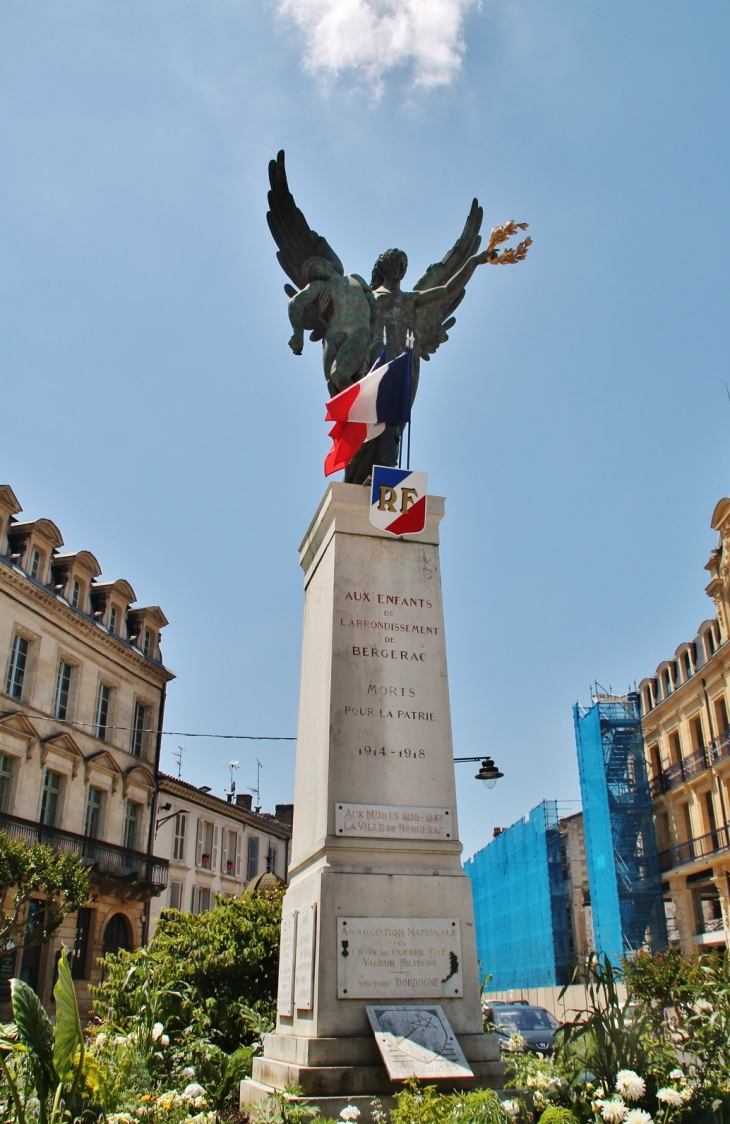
<point x="417" y="1042"/>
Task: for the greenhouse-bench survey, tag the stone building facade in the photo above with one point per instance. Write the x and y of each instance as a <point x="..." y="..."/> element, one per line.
<point x="82" y="693"/>
<point x="578" y="894"/>
<point x="686" y="729"/>
<point x="215" y="847"/>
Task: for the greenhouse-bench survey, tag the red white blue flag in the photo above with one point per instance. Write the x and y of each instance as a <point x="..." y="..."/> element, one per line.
<point x="363" y="410"/>
<point x="398" y="500"/>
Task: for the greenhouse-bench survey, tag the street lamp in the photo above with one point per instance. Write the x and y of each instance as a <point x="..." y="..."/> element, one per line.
<point x="488" y="771"/>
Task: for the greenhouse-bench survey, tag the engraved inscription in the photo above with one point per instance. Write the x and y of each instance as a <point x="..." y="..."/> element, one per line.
<point x="304" y="970"/>
<point x="390" y="821"/>
<point x="410" y="957"/>
<point x="287" y="951"/>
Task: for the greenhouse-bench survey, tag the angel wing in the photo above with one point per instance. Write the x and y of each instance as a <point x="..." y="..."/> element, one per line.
<point x="434" y="321"/>
<point x="291" y="230"/>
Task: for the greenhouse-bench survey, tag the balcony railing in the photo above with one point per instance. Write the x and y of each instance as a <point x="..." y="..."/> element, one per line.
<point x="692" y="849"/>
<point x="688" y="767"/>
<point x="104" y="858"/>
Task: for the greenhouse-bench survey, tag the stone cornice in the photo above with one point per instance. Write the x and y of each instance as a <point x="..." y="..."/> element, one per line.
<point x="184" y="791"/>
<point x="49" y="605"/>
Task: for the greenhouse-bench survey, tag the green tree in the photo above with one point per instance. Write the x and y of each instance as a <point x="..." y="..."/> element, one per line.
<point x="37" y="869"/>
<point x="217" y="968"/>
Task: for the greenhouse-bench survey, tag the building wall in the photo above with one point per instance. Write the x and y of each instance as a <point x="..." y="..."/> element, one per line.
<point x="214" y="847"/>
<point x="51" y="737"/>
<point x="685" y="707"/>
<point x="577" y="887"/>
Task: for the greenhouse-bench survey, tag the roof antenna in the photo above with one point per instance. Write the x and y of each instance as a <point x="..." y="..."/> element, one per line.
<point x="177" y="757"/>
<point x="257" y="791"/>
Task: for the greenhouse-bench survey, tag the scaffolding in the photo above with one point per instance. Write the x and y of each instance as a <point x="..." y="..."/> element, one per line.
<point x="521" y="904"/>
<point x="623" y="868"/>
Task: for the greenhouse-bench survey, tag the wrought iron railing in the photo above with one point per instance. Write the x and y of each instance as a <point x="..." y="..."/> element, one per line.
<point x="691" y="849"/>
<point x="104" y="858"/>
<point x="697" y="762"/>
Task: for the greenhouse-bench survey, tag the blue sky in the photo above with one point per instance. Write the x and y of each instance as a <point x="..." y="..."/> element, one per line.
<point x="577" y="421"/>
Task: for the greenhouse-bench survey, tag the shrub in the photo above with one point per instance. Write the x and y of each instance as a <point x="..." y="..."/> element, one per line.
<point x="216" y="971"/>
<point x="557" y="1114"/>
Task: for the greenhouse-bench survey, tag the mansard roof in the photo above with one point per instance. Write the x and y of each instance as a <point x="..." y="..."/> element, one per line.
<point x="82" y="558"/>
<point x="9" y="500"/>
<point x="44" y="527"/>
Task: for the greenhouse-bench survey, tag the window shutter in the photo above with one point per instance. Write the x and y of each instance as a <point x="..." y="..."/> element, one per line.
<point x="239" y="849"/>
<point x="225" y="835"/>
<point x="194" y="901"/>
<point x="214" y="856"/>
<point x="199" y="845"/>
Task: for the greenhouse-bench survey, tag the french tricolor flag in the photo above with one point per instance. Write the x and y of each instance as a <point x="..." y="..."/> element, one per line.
<point x="362" y="411"/>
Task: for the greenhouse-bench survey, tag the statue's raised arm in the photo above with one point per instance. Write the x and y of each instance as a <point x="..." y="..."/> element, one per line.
<point x="334" y="308"/>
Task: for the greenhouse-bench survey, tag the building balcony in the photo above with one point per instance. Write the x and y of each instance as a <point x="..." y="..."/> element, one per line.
<point x="104" y="859"/>
<point x="688" y="767"/>
<point x="691" y="850"/>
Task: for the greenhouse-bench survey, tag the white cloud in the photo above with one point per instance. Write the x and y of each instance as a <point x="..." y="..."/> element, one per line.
<point x="370" y="37"/>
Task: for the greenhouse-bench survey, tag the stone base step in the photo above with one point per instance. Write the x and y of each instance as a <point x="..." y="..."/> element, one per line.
<point x="361" y="1080"/>
<point x="349" y="1051"/>
<point x="253" y="1093"/>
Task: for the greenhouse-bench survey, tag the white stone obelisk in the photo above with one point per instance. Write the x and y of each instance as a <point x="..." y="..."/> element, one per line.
<point x="379" y="909"/>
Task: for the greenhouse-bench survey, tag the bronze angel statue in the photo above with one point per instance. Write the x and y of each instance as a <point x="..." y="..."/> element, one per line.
<point x="354" y="319"/>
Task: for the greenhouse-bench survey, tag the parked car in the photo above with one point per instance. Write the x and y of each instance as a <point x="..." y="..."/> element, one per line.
<point x="535" y="1024"/>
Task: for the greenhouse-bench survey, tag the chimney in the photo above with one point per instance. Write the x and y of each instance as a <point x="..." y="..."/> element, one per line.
<point x="498" y="831"/>
<point x="243" y="800"/>
<point x="284" y="814"/>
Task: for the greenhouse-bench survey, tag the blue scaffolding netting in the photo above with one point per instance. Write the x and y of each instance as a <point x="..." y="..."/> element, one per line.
<point x="520" y="904"/>
<point x="623" y="868"/>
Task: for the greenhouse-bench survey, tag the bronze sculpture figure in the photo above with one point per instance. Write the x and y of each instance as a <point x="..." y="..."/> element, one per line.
<point x="353" y="318"/>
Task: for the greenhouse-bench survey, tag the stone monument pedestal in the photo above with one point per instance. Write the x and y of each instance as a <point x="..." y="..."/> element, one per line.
<point x="378" y="909"/>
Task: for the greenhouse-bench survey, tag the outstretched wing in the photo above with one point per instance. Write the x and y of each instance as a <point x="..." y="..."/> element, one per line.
<point x="290" y="229"/>
<point x="434" y="321"/>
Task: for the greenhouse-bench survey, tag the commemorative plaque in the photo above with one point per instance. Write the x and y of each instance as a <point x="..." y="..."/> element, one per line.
<point x="392" y="821"/>
<point x="287" y="951"/>
<point x="410" y="957"/>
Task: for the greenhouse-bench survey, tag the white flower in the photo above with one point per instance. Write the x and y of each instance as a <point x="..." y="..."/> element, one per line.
<point x="515" y="1043"/>
<point x="157" y="1030"/>
<point x="676" y="1075"/>
<point x="100" y="1039"/>
<point x="350" y="1112"/>
<point x="190" y="1092"/>
<point x="188" y="1071"/>
<point x="119" y="1040"/>
<point x="512" y="1107"/>
<point x="613" y="1111"/>
<point x="164" y="1040"/>
<point x="670" y="1096"/>
<point x="702" y="1005"/>
<point x="630" y="1085"/>
<point x="199" y="1102"/>
<point x="638" y="1116"/>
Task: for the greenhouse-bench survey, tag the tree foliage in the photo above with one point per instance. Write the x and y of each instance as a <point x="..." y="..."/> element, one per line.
<point x="37" y="869"/>
<point x="220" y="966"/>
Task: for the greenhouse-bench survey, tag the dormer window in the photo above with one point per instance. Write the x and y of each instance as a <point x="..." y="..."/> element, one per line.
<point x="147" y="642"/>
<point x="35" y="563"/>
<point x="113" y="619"/>
<point x="76" y="593"/>
<point x="710" y="643"/>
